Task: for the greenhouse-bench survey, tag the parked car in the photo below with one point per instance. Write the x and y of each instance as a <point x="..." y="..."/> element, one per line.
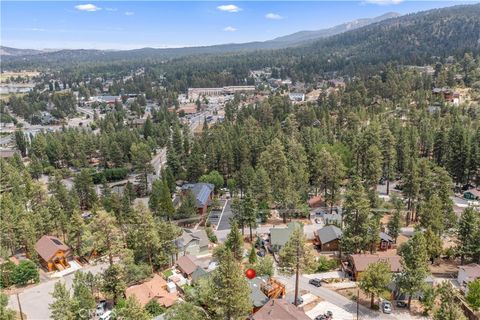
<point x="101" y="308"/>
<point x="327" y="316"/>
<point x="386" y="307"/>
<point x="315" y="282"/>
<point x="402" y="304"/>
<point x="261" y="253"/>
<point x="106" y="316"/>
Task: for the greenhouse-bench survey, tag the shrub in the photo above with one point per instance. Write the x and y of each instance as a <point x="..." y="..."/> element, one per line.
<point x="25" y="273"/>
<point x="325" y="264"/>
<point x="6" y="274"/>
<point x="154" y="308"/>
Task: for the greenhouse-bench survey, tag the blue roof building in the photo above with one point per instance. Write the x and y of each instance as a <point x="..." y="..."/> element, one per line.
<point x="202" y="192"/>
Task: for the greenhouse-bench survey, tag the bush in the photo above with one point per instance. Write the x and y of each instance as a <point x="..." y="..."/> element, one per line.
<point x="113" y="174"/>
<point x="6" y="274"/>
<point x="325" y="264"/>
<point x="25" y="273"/>
<point x="211" y="235"/>
<point x="154" y="308"/>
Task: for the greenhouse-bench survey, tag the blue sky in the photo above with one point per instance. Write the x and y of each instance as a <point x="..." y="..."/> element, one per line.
<point x="136" y="24"/>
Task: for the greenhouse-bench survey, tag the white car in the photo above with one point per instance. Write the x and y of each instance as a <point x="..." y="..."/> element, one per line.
<point x="386" y="307"/>
<point x="106" y="315"/>
<point x="101" y="307"/>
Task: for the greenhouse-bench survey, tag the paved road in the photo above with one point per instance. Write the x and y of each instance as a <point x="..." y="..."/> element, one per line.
<point x="35" y="300"/>
<point x="336" y="299"/>
<point x="159" y="160"/>
<point x="227" y="213"/>
<point x="308" y="230"/>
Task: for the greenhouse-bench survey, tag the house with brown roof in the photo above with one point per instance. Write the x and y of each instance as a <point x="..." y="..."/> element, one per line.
<point x="358" y="263"/>
<point x="279" y="309"/>
<point x="153" y="289"/>
<point x="187" y="264"/>
<point x="53" y="253"/>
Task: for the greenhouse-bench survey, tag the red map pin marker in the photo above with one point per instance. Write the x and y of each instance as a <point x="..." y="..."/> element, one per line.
<point x="250" y="273"/>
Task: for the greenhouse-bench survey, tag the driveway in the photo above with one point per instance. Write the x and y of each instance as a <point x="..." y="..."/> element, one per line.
<point x="226" y="215"/>
<point x="35" y="300"/>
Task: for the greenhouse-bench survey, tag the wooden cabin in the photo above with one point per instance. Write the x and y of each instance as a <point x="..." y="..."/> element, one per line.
<point x="53" y="253"/>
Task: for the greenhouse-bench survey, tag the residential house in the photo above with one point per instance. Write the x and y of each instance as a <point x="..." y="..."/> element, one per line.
<point x="7" y="153"/>
<point x="296" y="96"/>
<point x="138" y="122"/>
<point x="193" y="242"/>
<point x="332" y="218"/>
<point x="467" y="274"/>
<point x="386" y="242"/>
<point x="279" y="309"/>
<point x="153" y="289"/>
<point x="280" y="236"/>
<point x="188" y="265"/>
<point x="257" y="296"/>
<point x="53" y="253"/>
<point x="203" y="194"/>
<point x="358" y="263"/>
<point x="198" y="274"/>
<point x="328" y="238"/>
<point x="472" y="194"/>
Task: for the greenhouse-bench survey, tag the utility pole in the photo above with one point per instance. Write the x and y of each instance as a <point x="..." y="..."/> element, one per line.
<point x="19" y="307"/>
<point x="297" y="267"/>
<point x="358" y="297"/>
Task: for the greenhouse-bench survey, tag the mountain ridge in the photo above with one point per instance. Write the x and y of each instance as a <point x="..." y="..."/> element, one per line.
<point x="293" y="39"/>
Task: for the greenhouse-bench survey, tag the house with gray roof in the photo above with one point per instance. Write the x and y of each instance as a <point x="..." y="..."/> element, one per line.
<point x="194" y="242"/>
<point x="386" y="242"/>
<point x="280" y="236"/>
<point x="328" y="238"/>
<point x="202" y="192"/>
<point x="256" y="294"/>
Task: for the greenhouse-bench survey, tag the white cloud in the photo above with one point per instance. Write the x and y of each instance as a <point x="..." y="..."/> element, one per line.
<point x="87" y="7"/>
<point x="384" y="2"/>
<point x="230" y="29"/>
<point x="229" y="8"/>
<point x="35" y="29"/>
<point x="129" y="13"/>
<point x="273" y="16"/>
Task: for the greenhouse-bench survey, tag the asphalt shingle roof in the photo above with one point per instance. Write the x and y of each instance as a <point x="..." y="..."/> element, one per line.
<point x="329" y="233"/>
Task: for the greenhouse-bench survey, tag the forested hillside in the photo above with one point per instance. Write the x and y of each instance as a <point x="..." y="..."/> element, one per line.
<point x="412" y="39"/>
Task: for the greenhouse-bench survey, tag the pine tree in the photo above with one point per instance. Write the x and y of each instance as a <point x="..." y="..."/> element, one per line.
<point x="231" y="291"/>
<point x="234" y="242"/>
<point x="83" y="301"/>
<point x="143" y="236"/>
<point x="296" y="257"/>
<point x="356" y="217"/>
<point x="132" y="310"/>
<point x="106" y="235"/>
<point x="375" y="280"/>
<point x="252" y="257"/>
<point x="468" y="235"/>
<point x="414" y="264"/>
<point x="141" y="161"/>
<point x="113" y="282"/>
<point x="84" y="187"/>
<point x="449" y="308"/>
<point x="61" y="307"/>
<point x="249" y="212"/>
